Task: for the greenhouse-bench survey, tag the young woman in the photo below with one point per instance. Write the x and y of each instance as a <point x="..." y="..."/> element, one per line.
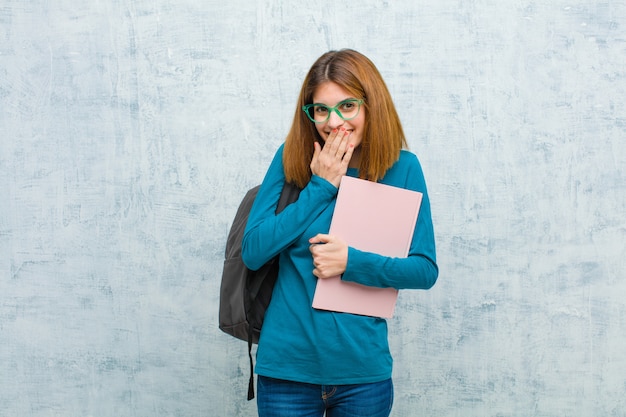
<point x="311" y="362"/>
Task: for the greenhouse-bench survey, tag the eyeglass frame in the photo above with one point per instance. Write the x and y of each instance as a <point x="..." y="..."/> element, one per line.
<point x="335" y="108"/>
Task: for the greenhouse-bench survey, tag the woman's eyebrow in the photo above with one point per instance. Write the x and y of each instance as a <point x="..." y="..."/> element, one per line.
<point x="339" y="102"/>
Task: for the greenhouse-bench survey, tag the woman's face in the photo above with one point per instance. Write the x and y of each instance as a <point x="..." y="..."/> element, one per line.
<point x="331" y="94"/>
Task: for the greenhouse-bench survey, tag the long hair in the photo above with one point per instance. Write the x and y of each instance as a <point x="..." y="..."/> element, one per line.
<point x="383" y="137"/>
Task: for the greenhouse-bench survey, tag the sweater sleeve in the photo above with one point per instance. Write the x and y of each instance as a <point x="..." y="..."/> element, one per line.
<point x="267" y="234"/>
<point x="419" y="270"/>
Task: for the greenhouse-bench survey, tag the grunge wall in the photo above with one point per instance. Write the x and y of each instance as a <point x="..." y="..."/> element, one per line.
<point x="130" y="130"/>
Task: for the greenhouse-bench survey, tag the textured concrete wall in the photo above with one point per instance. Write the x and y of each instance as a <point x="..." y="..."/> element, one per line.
<point x="130" y="129"/>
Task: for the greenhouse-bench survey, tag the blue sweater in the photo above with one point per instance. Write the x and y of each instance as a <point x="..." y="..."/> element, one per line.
<point x="299" y="343"/>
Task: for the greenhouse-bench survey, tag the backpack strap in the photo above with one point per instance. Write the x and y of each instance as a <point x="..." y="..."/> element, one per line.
<point x="251" y="382"/>
<point x="288" y="195"/>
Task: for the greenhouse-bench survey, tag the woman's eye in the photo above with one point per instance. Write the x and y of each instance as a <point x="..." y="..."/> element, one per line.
<point x="321" y="110"/>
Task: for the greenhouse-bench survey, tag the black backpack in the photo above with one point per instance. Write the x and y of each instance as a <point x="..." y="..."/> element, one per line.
<point x="245" y="294"/>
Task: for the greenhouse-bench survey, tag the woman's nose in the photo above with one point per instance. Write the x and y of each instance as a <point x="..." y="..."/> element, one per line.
<point x="334" y="121"/>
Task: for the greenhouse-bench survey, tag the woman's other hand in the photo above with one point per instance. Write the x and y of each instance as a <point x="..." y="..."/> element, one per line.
<point x="330" y="255"/>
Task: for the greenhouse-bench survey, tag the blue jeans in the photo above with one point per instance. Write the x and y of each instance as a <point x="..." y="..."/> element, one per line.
<point x="278" y="398"/>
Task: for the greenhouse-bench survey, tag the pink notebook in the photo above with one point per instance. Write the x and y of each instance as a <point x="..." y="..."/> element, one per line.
<point x="374" y="218"/>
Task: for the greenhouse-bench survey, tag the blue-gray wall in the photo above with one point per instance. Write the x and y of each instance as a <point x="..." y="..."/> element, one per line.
<point x="130" y="129"/>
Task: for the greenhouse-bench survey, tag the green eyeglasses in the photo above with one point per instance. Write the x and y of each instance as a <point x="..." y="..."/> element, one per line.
<point x="320" y="113"/>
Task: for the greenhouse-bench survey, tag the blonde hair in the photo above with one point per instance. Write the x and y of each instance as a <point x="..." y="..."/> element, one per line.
<point x="383" y="137"/>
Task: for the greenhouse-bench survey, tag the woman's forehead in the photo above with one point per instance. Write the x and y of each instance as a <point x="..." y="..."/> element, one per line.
<point x="330" y="93"/>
